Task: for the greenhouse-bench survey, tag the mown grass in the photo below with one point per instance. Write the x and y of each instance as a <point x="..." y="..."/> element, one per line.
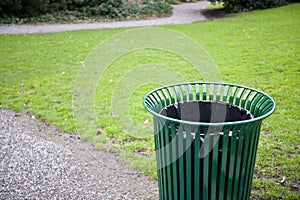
<point x="258" y="49"/>
<point x="216" y="6"/>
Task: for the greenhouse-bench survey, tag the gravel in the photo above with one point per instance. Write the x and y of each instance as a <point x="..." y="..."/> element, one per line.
<point x="184" y="13"/>
<point x="39" y="162"/>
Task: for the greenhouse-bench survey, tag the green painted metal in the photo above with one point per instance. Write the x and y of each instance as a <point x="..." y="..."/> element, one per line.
<point x="181" y="163"/>
<point x="158" y="156"/>
<point x="223" y="170"/>
<point x="214" y="168"/>
<point x="206" y="167"/>
<point x="188" y="158"/>
<point x="200" y="160"/>
<point x="196" y="168"/>
<point x="174" y="164"/>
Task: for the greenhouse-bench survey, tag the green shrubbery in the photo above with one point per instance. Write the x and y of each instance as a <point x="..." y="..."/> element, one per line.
<point x="178" y="1"/>
<point x="59" y="10"/>
<point x="24" y="8"/>
<point x="248" y="5"/>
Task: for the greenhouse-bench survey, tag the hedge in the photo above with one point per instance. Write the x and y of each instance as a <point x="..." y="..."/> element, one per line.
<point x="116" y="9"/>
<point x="248" y="5"/>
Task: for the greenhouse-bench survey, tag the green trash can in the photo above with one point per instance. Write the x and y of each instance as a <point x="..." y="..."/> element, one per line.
<point x="206" y="137"/>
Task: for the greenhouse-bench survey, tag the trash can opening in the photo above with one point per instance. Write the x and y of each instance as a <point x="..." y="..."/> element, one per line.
<point x="206" y="111"/>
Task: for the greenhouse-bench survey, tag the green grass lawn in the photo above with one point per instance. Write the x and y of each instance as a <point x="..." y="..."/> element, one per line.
<point x="216" y="6"/>
<point x="258" y="49"/>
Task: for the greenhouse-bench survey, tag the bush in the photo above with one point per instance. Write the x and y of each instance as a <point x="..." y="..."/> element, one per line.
<point x="10" y="7"/>
<point x="248" y="5"/>
<point x="114" y="9"/>
<point x="25" y="10"/>
<point x="178" y="1"/>
<point x="156" y="8"/>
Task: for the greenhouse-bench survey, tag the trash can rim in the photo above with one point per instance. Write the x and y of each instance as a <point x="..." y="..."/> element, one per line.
<point x="243" y="122"/>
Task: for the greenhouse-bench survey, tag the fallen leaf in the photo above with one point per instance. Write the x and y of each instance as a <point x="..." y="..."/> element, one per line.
<point x="99" y="132"/>
<point x="278" y="148"/>
<point x="295" y="187"/>
<point x="282" y="181"/>
<point x="141" y="151"/>
<point x="277" y="171"/>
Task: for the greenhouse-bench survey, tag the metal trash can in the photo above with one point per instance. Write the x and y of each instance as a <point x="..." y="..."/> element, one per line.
<point x="206" y="137"/>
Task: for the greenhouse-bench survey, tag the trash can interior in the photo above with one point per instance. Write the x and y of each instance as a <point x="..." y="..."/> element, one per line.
<point x="206" y="111"/>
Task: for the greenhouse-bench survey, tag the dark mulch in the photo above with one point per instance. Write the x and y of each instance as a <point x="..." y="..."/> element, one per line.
<point x="215" y="13"/>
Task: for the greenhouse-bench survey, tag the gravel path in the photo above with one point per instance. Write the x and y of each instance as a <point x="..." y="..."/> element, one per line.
<point x="184" y="13"/>
<point x="39" y="162"/>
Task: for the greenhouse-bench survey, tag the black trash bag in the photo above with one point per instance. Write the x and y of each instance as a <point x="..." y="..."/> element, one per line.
<point x="206" y="111"/>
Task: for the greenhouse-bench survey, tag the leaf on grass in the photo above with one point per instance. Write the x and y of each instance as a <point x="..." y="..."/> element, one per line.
<point x="277" y="171"/>
<point x="266" y="132"/>
<point x="295" y="187"/>
<point x="141" y="151"/>
<point x="99" y="132"/>
<point x="282" y="181"/>
<point x="278" y="148"/>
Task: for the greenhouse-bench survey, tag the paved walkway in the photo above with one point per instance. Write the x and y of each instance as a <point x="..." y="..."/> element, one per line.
<point x="184" y="13"/>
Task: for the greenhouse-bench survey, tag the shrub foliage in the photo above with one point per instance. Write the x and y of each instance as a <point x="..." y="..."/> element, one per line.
<point x="248" y="5"/>
<point x="81" y="9"/>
